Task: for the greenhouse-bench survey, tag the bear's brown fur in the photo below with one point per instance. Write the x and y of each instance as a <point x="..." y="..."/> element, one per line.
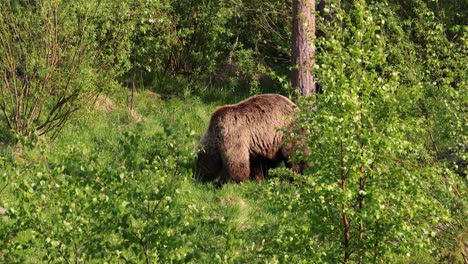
<point x="244" y="140"/>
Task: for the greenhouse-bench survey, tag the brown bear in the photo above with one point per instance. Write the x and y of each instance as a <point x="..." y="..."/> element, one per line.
<point x="244" y="140"/>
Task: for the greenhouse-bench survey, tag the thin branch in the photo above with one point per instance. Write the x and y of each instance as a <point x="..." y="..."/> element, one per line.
<point x="343" y="208"/>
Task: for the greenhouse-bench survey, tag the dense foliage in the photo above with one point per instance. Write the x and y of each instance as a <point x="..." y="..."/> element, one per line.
<point x="387" y="181"/>
<point x="375" y="178"/>
<point x="50" y="61"/>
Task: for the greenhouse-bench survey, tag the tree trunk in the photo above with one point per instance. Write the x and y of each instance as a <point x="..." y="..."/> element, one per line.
<point x="303" y="46"/>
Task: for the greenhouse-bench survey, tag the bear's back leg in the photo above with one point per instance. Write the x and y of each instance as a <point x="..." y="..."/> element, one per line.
<point x="236" y="163"/>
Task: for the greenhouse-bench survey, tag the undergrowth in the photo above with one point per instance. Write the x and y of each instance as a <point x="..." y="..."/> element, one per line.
<point x="118" y="186"/>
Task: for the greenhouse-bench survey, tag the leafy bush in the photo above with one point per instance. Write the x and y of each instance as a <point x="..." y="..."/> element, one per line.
<point x="77" y="211"/>
<point x="50" y="63"/>
<point x="372" y="181"/>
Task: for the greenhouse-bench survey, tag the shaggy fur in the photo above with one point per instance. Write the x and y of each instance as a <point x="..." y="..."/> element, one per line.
<point x="244" y="140"/>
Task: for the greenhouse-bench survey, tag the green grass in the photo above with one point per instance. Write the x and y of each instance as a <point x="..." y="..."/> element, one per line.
<point x="116" y="183"/>
<point x="212" y="222"/>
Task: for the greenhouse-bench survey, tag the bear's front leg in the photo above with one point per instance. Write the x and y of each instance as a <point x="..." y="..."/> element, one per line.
<point x="258" y="171"/>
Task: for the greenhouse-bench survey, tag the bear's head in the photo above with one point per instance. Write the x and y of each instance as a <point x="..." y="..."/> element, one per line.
<point x="209" y="164"/>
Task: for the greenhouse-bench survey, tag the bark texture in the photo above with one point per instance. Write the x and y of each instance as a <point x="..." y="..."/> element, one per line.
<point x="303" y="46"/>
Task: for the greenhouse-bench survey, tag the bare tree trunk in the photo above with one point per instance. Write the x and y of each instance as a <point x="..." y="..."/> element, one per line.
<point x="303" y="46"/>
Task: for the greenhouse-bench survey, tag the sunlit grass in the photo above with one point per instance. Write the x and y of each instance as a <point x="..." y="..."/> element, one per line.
<point x="249" y="222"/>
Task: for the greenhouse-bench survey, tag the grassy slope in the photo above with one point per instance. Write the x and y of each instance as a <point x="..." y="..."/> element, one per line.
<point x="232" y="222"/>
<point x="238" y="222"/>
<point x="219" y="223"/>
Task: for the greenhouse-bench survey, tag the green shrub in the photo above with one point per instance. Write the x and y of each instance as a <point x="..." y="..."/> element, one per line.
<point x="50" y="63"/>
<point x="373" y="184"/>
